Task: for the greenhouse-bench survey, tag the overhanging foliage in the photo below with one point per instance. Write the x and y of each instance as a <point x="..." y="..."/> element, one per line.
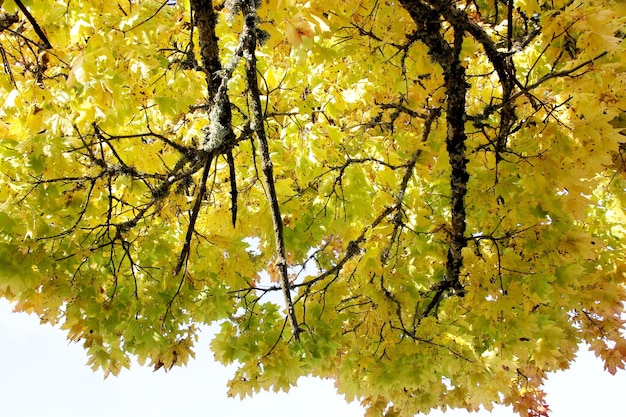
<point x="434" y="189"/>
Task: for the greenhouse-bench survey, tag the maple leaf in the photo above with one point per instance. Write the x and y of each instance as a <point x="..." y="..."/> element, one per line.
<point x="297" y="28"/>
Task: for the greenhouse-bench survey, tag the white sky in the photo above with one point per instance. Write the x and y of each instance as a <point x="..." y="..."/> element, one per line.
<point x="44" y="375"/>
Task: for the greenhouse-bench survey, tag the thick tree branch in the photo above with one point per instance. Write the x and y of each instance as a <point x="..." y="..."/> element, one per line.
<point x="502" y="62"/>
<point x="256" y="109"/>
<point x="456" y="87"/>
<point x="205" y="19"/>
<point x="426" y="15"/>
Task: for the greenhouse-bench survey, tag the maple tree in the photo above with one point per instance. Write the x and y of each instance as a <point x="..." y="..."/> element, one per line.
<point x="420" y="199"/>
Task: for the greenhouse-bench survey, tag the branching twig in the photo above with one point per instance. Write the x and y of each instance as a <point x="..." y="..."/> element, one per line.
<point x="408" y="173"/>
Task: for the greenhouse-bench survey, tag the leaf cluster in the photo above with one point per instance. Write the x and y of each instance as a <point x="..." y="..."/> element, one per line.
<point x="422" y="200"/>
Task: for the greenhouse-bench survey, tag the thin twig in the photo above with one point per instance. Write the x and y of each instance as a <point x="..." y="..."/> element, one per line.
<point x="44" y="39"/>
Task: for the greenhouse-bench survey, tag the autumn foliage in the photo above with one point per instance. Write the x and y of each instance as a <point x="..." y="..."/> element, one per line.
<point x="420" y="199"/>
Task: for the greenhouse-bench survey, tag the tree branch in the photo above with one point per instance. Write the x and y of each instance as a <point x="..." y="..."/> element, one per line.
<point x="426" y="15"/>
<point x="44" y="39"/>
<point x="206" y="20"/>
<point x="256" y="109"/>
<point x="184" y="254"/>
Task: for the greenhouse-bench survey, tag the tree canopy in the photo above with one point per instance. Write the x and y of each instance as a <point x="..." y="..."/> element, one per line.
<point x="420" y="199"/>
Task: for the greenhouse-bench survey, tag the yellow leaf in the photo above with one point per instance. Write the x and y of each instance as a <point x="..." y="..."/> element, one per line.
<point x="298" y="27"/>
